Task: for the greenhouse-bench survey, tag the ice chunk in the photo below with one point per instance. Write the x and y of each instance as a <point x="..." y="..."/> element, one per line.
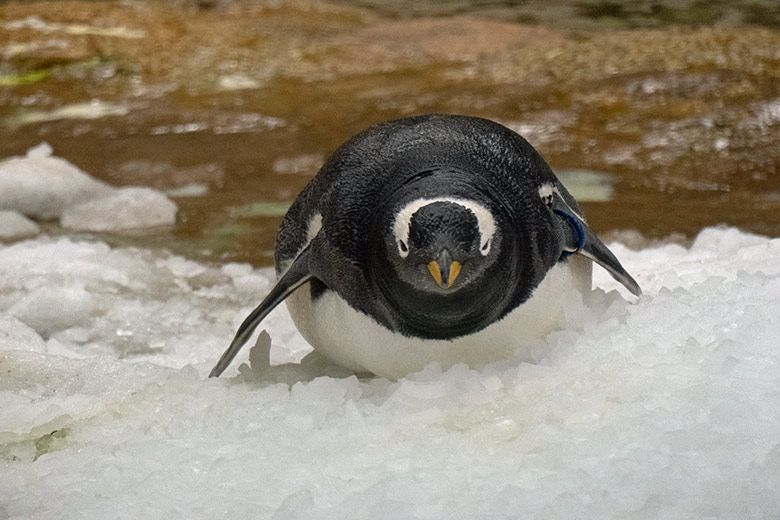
<point x="259" y="356"/>
<point x="92" y="110"/>
<point x="15" y="335"/>
<point x="48" y="309"/>
<point x="237" y="82"/>
<point x="189" y="190"/>
<point x="42" y="186"/>
<point x="127" y="208"/>
<point x="14" y="225"/>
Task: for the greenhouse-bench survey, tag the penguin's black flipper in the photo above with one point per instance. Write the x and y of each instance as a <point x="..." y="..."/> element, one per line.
<point x="296" y="275"/>
<point x="580" y="239"/>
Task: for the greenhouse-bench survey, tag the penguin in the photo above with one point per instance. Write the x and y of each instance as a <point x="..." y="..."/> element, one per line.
<point x="440" y="238"/>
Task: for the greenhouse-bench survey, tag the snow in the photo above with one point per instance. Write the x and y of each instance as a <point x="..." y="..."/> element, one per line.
<point x="14" y="225"/>
<point x="43" y="186"/>
<point x="127" y="208"/>
<point x="663" y="407"/>
<point x="666" y="407"/>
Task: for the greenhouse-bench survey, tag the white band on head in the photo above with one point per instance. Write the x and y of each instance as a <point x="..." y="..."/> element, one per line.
<point x="403" y="219"/>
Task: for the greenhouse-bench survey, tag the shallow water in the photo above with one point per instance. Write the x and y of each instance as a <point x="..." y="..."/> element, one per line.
<point x="234" y="108"/>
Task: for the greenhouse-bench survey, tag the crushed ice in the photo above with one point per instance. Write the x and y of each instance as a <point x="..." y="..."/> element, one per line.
<point x="668" y="407"/>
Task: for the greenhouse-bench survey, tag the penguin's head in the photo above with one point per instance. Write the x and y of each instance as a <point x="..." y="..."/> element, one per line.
<point x="442" y="245"/>
<point x="443" y="267"/>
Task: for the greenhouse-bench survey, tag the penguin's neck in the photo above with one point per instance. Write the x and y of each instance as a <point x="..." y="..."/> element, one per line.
<point x="438" y="315"/>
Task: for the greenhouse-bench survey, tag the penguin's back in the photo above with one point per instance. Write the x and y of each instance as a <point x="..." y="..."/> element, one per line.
<point x="371" y="167"/>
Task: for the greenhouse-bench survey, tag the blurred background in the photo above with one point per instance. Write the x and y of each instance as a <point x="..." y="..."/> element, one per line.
<point x="663" y="117"/>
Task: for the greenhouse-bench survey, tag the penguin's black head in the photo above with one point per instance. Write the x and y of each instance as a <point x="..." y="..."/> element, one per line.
<point x="442" y="269"/>
<point x="441" y="245"/>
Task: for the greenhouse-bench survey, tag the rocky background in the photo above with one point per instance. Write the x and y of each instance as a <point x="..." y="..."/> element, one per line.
<point x="664" y="114"/>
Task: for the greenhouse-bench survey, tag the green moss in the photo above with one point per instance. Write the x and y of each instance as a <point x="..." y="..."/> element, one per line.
<point x="602" y="10"/>
<point x="696" y="14"/>
<point x="23" y="78"/>
<point x="762" y="15"/>
<point x="264" y="209"/>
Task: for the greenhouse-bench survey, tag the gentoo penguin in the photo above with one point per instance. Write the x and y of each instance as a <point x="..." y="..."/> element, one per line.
<point x="432" y="238"/>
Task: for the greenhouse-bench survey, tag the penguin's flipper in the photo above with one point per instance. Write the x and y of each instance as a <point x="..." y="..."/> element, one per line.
<point x="580" y="239"/>
<point x="296" y="275"/>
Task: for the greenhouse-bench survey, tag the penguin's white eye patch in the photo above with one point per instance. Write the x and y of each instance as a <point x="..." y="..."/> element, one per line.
<point x="403" y="219"/>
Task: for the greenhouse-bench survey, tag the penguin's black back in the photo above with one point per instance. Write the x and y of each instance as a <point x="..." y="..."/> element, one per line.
<point x="366" y="171"/>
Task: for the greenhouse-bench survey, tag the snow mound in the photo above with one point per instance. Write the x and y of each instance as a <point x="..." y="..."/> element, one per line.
<point x="664" y="408"/>
<point x="14" y="225"/>
<point x="46" y="187"/>
<point x="43" y="186"/>
<point x="127" y="208"/>
<point x="50" y="309"/>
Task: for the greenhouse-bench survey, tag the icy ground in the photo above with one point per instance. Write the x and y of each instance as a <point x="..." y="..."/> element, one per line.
<point x="663" y="407"/>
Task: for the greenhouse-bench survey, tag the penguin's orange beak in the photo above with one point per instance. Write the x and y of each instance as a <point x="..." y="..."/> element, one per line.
<point x="444" y="270"/>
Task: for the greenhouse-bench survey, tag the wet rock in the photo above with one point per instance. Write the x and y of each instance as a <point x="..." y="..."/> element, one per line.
<point x="299" y="164"/>
<point x="396" y="45"/>
<point x="164" y="175"/>
<point x="541" y="126"/>
<point x="237" y="101"/>
<point x="623" y="53"/>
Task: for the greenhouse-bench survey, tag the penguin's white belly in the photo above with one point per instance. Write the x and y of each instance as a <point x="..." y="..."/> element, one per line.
<point x="356" y="341"/>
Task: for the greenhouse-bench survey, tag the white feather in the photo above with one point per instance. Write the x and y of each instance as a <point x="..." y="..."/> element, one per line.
<point x="546" y="192"/>
<point x="356" y="341"/>
<point x="314" y="226"/>
<point x="485" y="220"/>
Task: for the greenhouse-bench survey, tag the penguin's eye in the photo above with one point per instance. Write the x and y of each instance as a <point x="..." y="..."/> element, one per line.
<point x="402" y="247"/>
<point x="486" y="247"/>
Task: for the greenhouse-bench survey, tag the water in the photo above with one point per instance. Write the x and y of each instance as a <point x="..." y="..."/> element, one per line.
<point x="234" y="108"/>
